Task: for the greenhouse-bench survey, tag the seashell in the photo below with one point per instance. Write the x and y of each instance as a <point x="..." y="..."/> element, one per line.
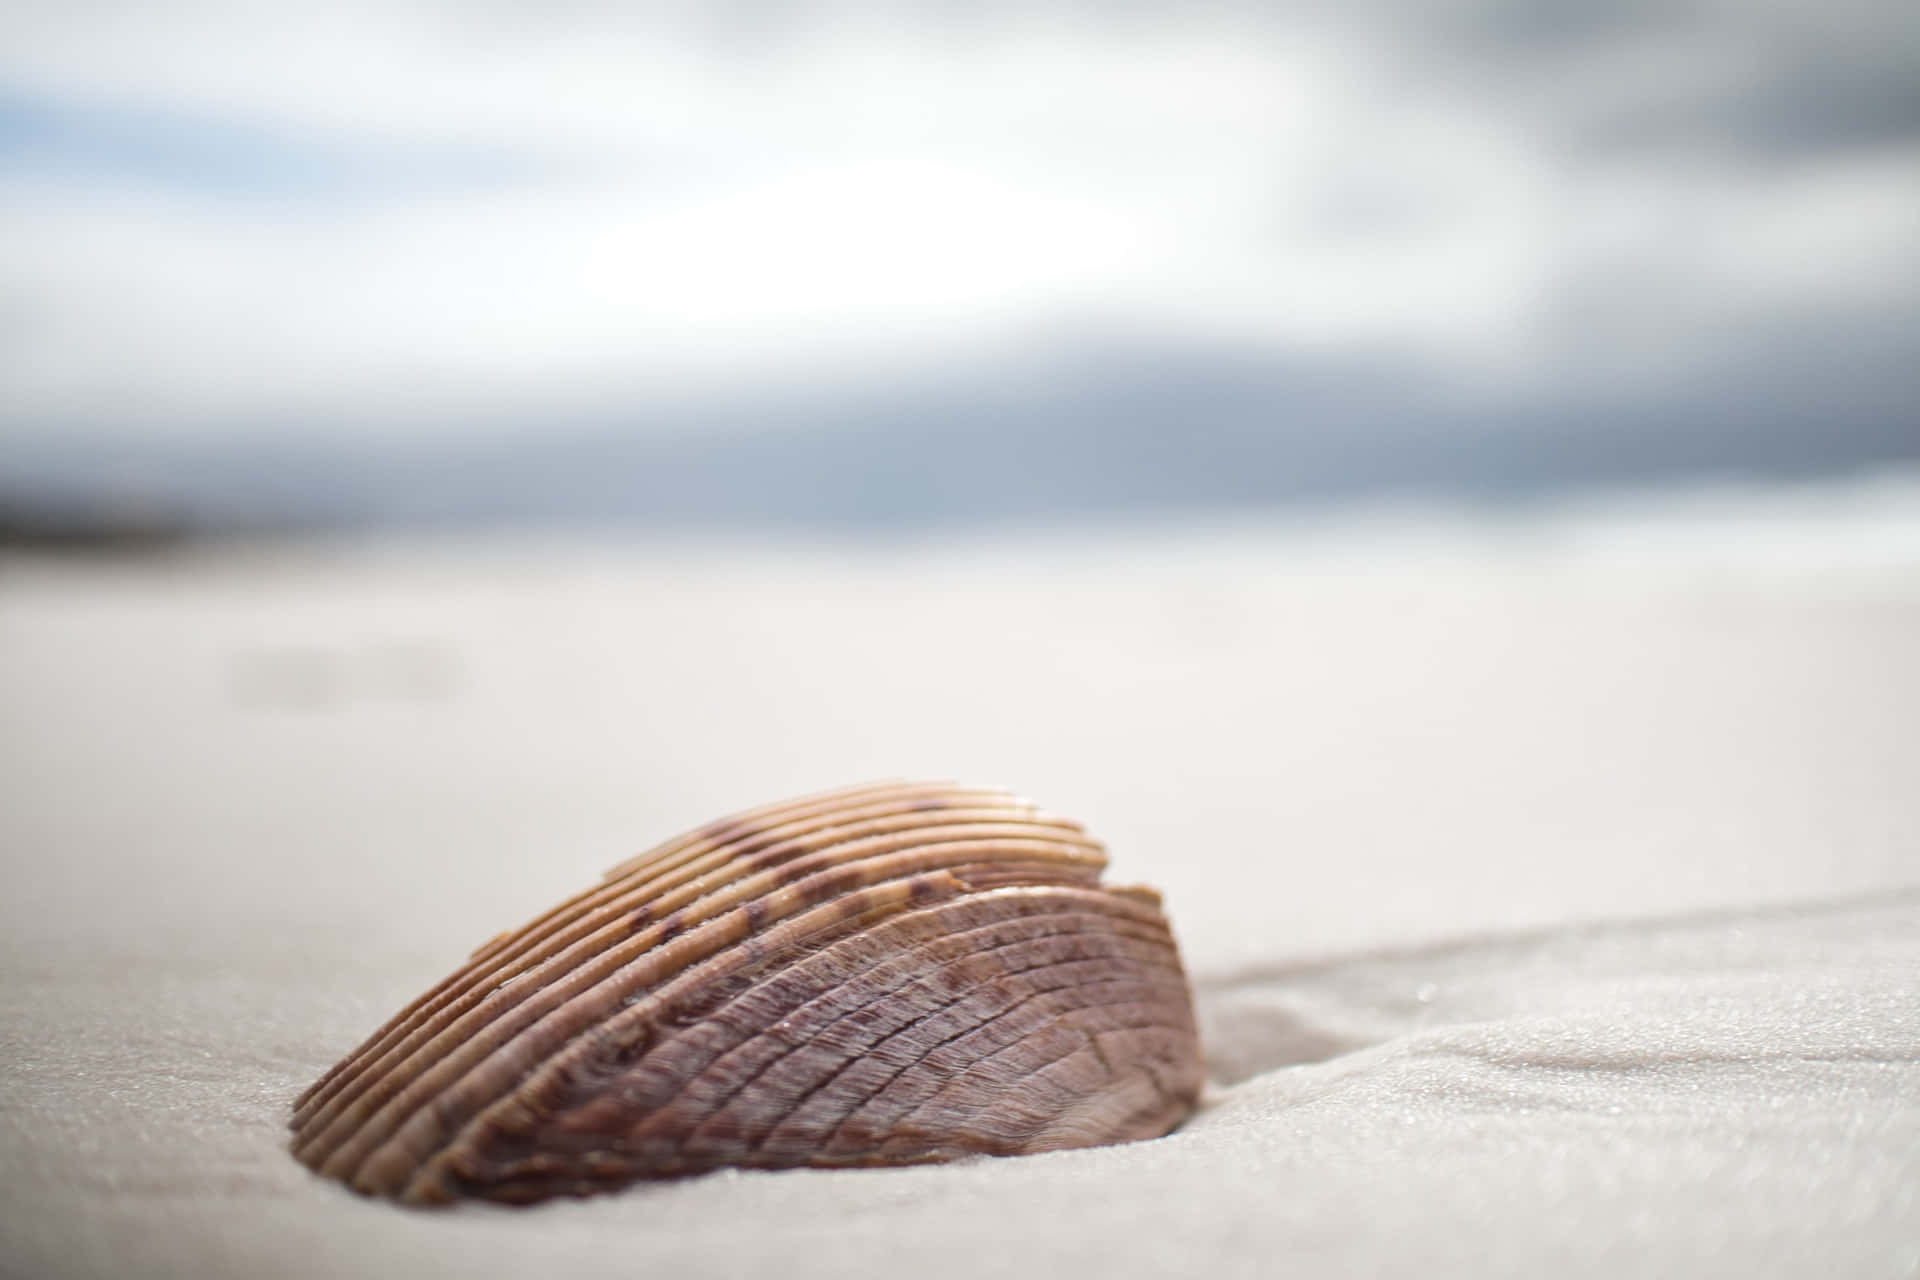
<point x="892" y="974"/>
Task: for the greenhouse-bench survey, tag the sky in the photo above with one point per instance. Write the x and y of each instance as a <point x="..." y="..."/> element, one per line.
<point x="235" y="229"/>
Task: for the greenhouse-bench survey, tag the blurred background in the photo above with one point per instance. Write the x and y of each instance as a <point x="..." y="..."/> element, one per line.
<point x="1457" y="456"/>
<point x="877" y="266"/>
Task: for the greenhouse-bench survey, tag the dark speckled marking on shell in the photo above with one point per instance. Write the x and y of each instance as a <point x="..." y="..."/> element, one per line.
<point x="895" y="973"/>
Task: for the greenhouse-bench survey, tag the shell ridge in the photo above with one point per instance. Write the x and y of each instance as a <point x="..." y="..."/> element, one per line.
<point x="891" y="972"/>
<point x="878" y="1097"/>
<point x="904" y="1136"/>
<point x="906" y="975"/>
<point x="714" y="829"/>
<point x="416" y="1118"/>
<point x="665" y="861"/>
<point x="1083" y="1043"/>
<point x="542" y="1098"/>
<point x="817" y="801"/>
<point x="666" y="848"/>
<point x="871" y="1052"/>
<point x="886" y="896"/>
<point x="687" y="1139"/>
<point x="379" y="1109"/>
<point x="1156" y="942"/>
<point x="906" y="798"/>
<point x="630" y="1014"/>
<point x="1155" y="1110"/>
<point x="910" y="977"/>
<point x="554" y="1015"/>
<point x="846" y="1109"/>
<point x="479" y="1008"/>
<point x="551" y="1077"/>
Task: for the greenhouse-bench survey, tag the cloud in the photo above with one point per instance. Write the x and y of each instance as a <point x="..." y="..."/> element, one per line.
<point x="1749" y="80"/>
<point x="435" y="218"/>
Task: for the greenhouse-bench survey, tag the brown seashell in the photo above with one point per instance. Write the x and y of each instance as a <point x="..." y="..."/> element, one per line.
<point x="896" y="973"/>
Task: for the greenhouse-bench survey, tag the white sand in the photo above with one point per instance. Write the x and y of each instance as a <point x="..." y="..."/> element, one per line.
<point x="1552" y="890"/>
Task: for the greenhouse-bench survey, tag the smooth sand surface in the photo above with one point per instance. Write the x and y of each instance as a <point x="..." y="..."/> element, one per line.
<point x="1551" y="888"/>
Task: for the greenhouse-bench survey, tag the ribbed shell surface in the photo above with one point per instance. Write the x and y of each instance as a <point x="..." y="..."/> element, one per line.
<point x="891" y="974"/>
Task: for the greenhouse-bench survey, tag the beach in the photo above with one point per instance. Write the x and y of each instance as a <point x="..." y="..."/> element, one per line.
<point x="1549" y="880"/>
